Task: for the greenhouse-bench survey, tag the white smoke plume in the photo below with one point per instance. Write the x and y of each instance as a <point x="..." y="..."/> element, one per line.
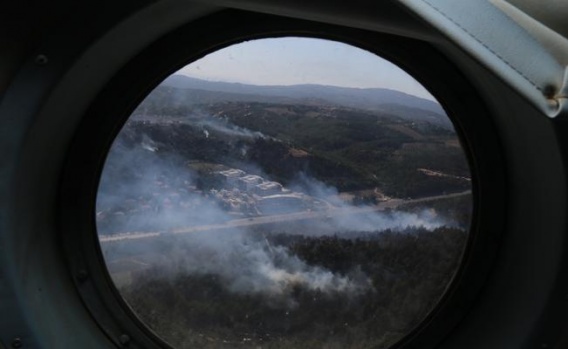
<point x="248" y="265"/>
<point x="226" y="127"/>
<point x="368" y="220"/>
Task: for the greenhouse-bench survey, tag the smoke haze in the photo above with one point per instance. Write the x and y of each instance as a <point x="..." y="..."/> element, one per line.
<point x="144" y="189"/>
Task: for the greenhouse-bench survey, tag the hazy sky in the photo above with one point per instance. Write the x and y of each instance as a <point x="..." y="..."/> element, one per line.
<point x="292" y="60"/>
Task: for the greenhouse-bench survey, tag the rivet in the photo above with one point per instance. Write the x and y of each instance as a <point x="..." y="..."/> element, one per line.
<point x="82" y="275"/>
<point x="124" y="339"/>
<point x="16" y="343"/>
<point x="41" y="60"/>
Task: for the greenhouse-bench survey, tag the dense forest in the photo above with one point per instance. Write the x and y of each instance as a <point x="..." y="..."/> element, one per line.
<point x="407" y="272"/>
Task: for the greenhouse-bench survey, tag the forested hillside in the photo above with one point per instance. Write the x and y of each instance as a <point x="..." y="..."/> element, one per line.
<point x="403" y="275"/>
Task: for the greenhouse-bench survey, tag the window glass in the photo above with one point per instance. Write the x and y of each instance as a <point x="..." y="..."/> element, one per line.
<point x="285" y="193"/>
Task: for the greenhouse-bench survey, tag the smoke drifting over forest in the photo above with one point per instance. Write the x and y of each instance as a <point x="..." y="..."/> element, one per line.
<point x="227" y="128"/>
<point x="145" y="189"/>
<point x="248" y="264"/>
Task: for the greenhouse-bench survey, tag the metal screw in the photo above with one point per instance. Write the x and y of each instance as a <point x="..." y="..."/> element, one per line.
<point x="16" y="343"/>
<point x="82" y="275"/>
<point x="41" y="60"/>
<point x="124" y="339"/>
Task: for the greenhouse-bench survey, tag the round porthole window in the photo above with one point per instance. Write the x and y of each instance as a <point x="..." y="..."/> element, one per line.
<point x="285" y="193"/>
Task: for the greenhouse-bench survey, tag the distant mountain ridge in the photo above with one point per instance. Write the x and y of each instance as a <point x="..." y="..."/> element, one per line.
<point x="377" y="99"/>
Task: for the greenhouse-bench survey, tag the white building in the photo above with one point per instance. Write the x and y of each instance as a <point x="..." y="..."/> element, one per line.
<point x="281" y="203"/>
<point x="248" y="182"/>
<point x="232" y="176"/>
<point x="268" y="188"/>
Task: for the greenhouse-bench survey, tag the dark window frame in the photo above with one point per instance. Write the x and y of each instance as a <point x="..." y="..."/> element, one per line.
<point x="108" y="112"/>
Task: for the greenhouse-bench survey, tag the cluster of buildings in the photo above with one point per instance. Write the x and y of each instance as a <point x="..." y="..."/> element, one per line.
<point x="238" y="193"/>
<point x="253" y="195"/>
<point x="252" y="184"/>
